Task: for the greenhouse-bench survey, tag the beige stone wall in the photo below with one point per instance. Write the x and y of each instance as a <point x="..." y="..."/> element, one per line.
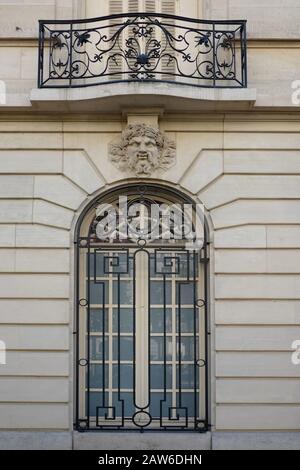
<point x="19" y="18"/>
<point x="245" y="168"/>
<point x="269" y="19"/>
<point x="246" y="171"/>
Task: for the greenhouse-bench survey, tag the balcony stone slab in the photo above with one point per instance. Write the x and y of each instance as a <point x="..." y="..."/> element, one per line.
<point x="114" y="97"/>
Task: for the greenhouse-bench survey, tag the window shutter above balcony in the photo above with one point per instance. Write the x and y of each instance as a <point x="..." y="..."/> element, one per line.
<point x="115" y="67"/>
<point x="168" y="6"/>
<point x="115" y="6"/>
<point x="150" y="6"/>
<point x="137" y="6"/>
<point x="167" y="66"/>
<point x="133" y="6"/>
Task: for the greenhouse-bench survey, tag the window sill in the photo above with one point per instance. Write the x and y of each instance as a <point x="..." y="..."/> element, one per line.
<point x="113" y="440"/>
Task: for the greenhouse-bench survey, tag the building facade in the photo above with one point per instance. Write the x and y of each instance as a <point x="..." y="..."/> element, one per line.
<point x="145" y="101"/>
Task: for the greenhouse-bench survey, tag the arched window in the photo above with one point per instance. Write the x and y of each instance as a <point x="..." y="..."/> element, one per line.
<point x="141" y="321"/>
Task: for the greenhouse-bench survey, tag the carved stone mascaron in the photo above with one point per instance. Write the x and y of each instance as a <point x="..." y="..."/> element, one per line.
<point x="142" y="150"/>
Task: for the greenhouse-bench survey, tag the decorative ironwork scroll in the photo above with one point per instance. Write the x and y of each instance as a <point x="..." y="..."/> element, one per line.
<point x="142" y="47"/>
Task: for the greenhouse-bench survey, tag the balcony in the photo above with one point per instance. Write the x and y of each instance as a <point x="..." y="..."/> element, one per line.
<point x="142" y="59"/>
<point x="142" y="47"/>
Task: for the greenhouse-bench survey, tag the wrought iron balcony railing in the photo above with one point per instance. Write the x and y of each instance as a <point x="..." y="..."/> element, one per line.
<point x="137" y="47"/>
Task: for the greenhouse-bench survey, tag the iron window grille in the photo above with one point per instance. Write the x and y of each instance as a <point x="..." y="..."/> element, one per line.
<point x="141" y="327"/>
<point x="142" y="47"/>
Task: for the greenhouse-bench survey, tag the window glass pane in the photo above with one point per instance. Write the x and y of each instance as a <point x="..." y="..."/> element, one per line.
<point x="183" y="262"/>
<point x="126" y="348"/>
<point x="98" y="292"/>
<point x="127" y="398"/>
<point x="96" y="376"/>
<point x="187" y="375"/>
<point x="159" y="374"/>
<point x="96" y="348"/>
<point x="160" y="404"/>
<point x="122" y="264"/>
<point x="157" y="348"/>
<point x="126" y="376"/>
<point x="185" y="293"/>
<point x="188" y="265"/>
<point x="126" y="320"/>
<point x="95" y="400"/>
<point x="164" y="263"/>
<point x="186" y="320"/>
<point x="157" y="289"/>
<point x="96" y="320"/>
<point x="188" y="401"/>
<point x="99" y="259"/>
<point x="157" y="320"/>
<point x="126" y="292"/>
<point x="187" y="348"/>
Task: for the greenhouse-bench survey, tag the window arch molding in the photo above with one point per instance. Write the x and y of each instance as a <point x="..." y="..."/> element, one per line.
<point x="140" y="368"/>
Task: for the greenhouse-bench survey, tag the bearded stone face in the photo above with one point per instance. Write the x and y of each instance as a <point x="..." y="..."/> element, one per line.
<point x="143" y="154"/>
<point x="142" y="150"/>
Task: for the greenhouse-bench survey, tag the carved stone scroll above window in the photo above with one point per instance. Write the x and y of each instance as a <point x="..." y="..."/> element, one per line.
<point x="142" y="150"/>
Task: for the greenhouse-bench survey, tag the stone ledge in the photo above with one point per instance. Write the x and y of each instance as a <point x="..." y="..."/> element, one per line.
<point x="35" y="440"/>
<point x="141" y="441"/>
<point x="113" y="97"/>
<point x="255" y="440"/>
<point x="230" y="440"/>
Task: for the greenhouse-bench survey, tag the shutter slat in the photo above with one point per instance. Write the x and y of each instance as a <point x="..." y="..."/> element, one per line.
<point x="133" y="6"/>
<point x="150" y="6"/>
<point x="115" y="6"/>
<point x="168" y="6"/>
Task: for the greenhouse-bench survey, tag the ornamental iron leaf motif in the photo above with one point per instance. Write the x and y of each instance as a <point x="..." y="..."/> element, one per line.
<point x="142" y="150"/>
